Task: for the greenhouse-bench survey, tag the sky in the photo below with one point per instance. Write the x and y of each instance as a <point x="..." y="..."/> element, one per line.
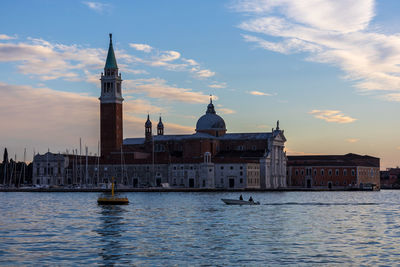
<point x="327" y="70"/>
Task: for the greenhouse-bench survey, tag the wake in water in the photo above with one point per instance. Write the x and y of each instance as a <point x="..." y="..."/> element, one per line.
<point x="319" y="204"/>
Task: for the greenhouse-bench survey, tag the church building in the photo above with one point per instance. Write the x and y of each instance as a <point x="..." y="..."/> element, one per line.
<point x="209" y="158"/>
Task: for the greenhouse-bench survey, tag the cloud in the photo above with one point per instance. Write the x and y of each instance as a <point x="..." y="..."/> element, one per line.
<point x="259" y="93"/>
<point x="217" y="85"/>
<point x="158" y="88"/>
<point x="170" y="60"/>
<point x="332" y="116"/>
<point x="393" y="97"/>
<point x="290" y="152"/>
<point x="226" y="111"/>
<point x="136" y="72"/>
<point x="97" y="6"/>
<point x="352" y="140"/>
<point x="329" y="32"/>
<point x="6" y="37"/>
<point x="43" y="118"/>
<point x="263" y="126"/>
<point x="49" y="61"/>
<point x="141" y="47"/>
<point x="204" y="73"/>
<point x="173" y="128"/>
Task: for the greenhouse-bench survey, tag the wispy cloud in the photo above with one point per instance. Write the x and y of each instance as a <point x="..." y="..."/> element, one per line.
<point x="136" y="72"/>
<point x="97" y="6"/>
<point x="158" y="88"/>
<point x="7" y="37"/>
<point x="332" y="116"/>
<point x="352" y="140"/>
<point x="141" y="47"/>
<point x="329" y="32"/>
<point x="217" y="85"/>
<point x="170" y="60"/>
<point x="226" y="111"/>
<point x="258" y="93"/>
<point x="49" y="61"/>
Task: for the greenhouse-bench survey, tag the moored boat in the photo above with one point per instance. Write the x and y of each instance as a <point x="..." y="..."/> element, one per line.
<point x="239" y="202"/>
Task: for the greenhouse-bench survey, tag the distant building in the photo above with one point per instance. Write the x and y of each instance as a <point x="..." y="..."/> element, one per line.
<point x="390" y="178"/>
<point x="334" y="171"/>
<point x="49" y="169"/>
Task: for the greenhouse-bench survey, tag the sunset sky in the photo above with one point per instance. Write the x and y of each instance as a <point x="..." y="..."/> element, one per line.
<point x="327" y="70"/>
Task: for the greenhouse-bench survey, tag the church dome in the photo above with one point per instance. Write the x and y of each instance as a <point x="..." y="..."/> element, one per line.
<point x="210" y="121"/>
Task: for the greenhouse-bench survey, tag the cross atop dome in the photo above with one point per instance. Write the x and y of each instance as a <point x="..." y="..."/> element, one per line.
<point x="210" y="107"/>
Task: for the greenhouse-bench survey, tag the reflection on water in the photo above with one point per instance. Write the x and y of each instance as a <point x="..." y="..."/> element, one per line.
<point x="110" y="231"/>
<point x="293" y="228"/>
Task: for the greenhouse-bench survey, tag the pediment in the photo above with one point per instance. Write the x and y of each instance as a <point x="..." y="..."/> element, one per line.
<point x="280" y="137"/>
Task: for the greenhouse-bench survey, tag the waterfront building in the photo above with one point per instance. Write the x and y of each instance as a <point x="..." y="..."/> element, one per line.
<point x="334" y="171"/>
<point x="49" y="169"/>
<point x="390" y="178"/>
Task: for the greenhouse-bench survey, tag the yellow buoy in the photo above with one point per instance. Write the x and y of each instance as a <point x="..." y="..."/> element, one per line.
<point x="112" y="200"/>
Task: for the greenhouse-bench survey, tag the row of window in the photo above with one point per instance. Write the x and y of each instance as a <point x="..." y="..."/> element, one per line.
<point x="49" y="171"/>
<point x="110" y="72"/>
<point x="241" y="148"/>
<point x="323" y="183"/>
<point x="254" y="181"/>
<point x="222" y="173"/>
<point x="232" y="167"/>
<point x="322" y="172"/>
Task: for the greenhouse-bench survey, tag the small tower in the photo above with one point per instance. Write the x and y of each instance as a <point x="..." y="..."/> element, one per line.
<point x="148" y="127"/>
<point x="160" y="128"/>
<point x="110" y="105"/>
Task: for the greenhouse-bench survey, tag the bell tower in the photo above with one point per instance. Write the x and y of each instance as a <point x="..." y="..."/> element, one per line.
<point x="148" y="129"/>
<point x="110" y="106"/>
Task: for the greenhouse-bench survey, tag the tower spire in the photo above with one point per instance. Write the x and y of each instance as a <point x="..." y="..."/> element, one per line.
<point x="160" y="127"/>
<point x="111" y="62"/>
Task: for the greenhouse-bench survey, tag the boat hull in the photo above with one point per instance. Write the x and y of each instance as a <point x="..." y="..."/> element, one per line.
<point x="112" y="201"/>
<point x="239" y="202"/>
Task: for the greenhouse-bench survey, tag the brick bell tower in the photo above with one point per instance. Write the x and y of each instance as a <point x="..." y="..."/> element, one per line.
<point x="110" y="106"/>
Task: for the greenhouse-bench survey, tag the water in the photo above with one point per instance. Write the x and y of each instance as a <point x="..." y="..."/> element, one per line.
<point x="289" y="228"/>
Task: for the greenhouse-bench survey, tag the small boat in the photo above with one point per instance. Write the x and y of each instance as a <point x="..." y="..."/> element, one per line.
<point x="239" y="202"/>
<point x="113" y="200"/>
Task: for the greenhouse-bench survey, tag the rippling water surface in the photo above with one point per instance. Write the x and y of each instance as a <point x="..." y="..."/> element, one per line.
<point x="290" y="228"/>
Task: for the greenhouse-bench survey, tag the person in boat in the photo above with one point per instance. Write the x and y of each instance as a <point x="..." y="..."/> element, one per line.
<point x="241" y="197"/>
<point x="251" y="199"/>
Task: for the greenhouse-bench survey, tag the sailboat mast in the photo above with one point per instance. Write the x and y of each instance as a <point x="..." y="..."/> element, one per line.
<point x="86" y="167"/>
<point x="152" y="167"/>
<point x="122" y="168"/>
<point x="24" y="177"/>
<point x="80" y="161"/>
<point x="98" y="162"/>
